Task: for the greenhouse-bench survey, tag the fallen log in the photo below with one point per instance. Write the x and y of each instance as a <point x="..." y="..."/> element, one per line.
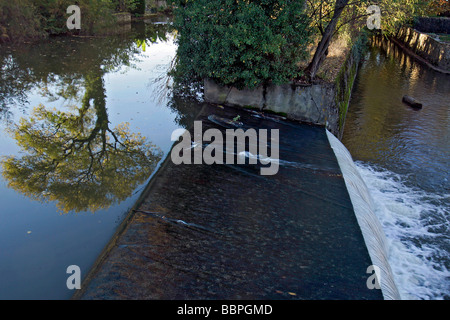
<point x="412" y="102"/>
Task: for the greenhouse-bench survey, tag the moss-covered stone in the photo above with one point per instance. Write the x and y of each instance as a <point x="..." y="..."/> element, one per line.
<point x="346" y="78"/>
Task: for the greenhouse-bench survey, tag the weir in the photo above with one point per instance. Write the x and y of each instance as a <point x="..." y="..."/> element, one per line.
<point x="224" y="231"/>
<point x="371" y="228"/>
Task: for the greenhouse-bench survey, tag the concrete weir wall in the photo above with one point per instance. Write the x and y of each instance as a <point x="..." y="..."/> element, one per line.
<point x="324" y="103"/>
<point x="426" y="46"/>
<point x="314" y="103"/>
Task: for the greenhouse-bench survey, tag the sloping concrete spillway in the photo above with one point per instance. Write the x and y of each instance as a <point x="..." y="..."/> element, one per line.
<point x="225" y="231"/>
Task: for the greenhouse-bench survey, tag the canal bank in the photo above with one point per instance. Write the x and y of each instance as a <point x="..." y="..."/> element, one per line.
<point x="426" y="48"/>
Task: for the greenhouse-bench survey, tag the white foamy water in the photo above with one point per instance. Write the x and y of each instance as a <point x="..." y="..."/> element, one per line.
<point x="416" y="224"/>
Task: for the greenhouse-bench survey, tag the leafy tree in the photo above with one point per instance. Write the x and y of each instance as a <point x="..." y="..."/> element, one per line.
<point x="14" y="82"/>
<point x="239" y="43"/>
<point x="331" y="16"/>
<point x="22" y="20"/>
<point x="19" y="21"/>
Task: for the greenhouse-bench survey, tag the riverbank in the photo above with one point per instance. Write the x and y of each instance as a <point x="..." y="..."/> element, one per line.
<point x="325" y="102"/>
<point x="25" y="22"/>
<point x="426" y="48"/>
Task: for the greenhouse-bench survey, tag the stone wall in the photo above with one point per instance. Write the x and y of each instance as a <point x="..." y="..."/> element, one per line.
<point x="324" y="104"/>
<point x="311" y="104"/>
<point x="433" y="24"/>
<point x="345" y="80"/>
<point x="432" y="50"/>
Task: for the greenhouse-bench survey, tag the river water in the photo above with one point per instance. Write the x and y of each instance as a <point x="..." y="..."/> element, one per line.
<point x="85" y="122"/>
<point x="403" y="156"/>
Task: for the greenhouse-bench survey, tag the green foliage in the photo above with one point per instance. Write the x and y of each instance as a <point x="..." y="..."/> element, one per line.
<point x="139" y="7"/>
<point x="239" y="43"/>
<point x="18" y="21"/>
<point x="29" y="19"/>
<point x="94" y="15"/>
<point x="394" y="13"/>
<point x="134" y="6"/>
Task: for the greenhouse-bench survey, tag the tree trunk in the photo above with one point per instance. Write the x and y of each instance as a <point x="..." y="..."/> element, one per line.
<point x="324" y="43"/>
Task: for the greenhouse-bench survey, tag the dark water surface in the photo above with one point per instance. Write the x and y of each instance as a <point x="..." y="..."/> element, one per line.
<point x="404" y="157"/>
<point x="228" y="232"/>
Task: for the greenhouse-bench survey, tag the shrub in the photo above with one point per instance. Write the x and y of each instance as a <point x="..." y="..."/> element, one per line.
<point x="95" y="15"/>
<point x="139" y="7"/>
<point x="29" y="19"/>
<point x="239" y="43"/>
<point x="19" y="21"/>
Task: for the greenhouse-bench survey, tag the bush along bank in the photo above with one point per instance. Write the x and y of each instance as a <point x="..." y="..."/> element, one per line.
<point x="28" y="20"/>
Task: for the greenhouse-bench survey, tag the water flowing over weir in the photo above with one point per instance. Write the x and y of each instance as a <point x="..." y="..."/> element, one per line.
<point x="224" y="231"/>
<point x="371" y="228"/>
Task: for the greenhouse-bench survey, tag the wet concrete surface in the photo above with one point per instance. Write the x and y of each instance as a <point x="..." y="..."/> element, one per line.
<point x="227" y="232"/>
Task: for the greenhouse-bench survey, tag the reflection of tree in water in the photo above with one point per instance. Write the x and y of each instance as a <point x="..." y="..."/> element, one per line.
<point x="185" y="108"/>
<point x="12" y="91"/>
<point x="74" y="157"/>
<point x="147" y="34"/>
<point x="61" y="64"/>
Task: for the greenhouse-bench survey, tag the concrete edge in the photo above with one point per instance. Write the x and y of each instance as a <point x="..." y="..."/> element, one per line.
<point x="363" y="207"/>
